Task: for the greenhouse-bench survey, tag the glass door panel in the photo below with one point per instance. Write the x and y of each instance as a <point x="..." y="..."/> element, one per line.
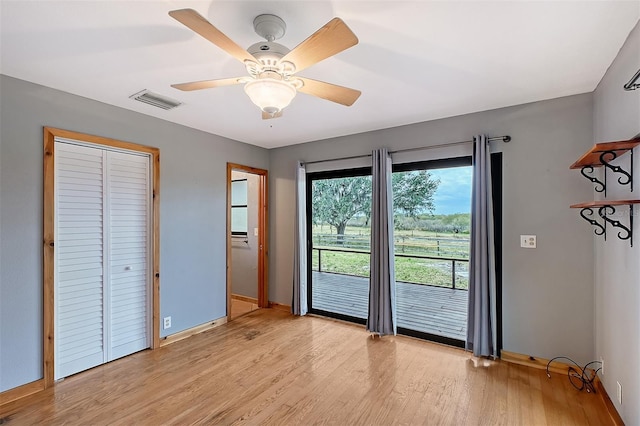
<point x="431" y="230"/>
<point x="339" y="227"/>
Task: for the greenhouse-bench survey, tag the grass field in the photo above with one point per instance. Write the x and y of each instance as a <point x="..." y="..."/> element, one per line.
<point x="417" y="270"/>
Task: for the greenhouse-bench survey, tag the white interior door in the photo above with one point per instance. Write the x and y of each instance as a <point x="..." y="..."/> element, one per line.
<point x="79" y="304"/>
<point x="102" y="271"/>
<point x="129" y="241"/>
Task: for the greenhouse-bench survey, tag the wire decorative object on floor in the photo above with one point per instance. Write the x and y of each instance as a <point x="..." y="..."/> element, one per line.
<point x="634" y="83"/>
<point x="580" y="377"/>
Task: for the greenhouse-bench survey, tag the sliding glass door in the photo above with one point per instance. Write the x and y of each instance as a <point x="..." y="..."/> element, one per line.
<point x="432" y="203"/>
<point x="432" y="212"/>
<point x="339" y="208"/>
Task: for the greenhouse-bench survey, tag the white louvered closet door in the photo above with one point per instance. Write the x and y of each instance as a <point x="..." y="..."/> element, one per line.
<point x="128" y="201"/>
<point x="79" y="288"/>
<point x="102" y="273"/>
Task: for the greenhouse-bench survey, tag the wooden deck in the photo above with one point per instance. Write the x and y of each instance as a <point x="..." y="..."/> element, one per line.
<point x="435" y="310"/>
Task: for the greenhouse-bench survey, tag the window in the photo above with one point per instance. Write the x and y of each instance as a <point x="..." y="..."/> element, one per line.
<point x="239" y="207"/>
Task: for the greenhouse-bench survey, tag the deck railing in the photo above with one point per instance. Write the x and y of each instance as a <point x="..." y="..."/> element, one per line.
<point x="453" y="261"/>
<point x="435" y="245"/>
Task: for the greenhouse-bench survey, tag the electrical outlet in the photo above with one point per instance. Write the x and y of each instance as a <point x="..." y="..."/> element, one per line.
<point x="619" y="393"/>
<point x="602" y="366"/>
<point x="528" y="241"/>
<point x="167" y="322"/>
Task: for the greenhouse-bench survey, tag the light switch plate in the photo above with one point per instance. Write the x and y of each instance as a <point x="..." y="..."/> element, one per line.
<point x="528" y="241"/>
<point x="255" y="232"/>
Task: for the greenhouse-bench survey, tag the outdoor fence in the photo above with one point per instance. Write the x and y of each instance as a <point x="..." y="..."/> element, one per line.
<point x="447" y="246"/>
<point x="413" y="268"/>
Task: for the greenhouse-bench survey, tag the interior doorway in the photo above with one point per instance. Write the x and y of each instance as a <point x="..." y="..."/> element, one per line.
<point x="246" y="240"/>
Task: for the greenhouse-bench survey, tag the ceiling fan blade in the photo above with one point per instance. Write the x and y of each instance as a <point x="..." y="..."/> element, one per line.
<point x="207" y="84"/>
<point x="267" y="116"/>
<point x="330" y="92"/>
<point x="329" y="40"/>
<point x="196" y="22"/>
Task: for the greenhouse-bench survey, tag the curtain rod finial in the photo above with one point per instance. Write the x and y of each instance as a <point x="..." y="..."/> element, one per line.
<point x="506" y="139"/>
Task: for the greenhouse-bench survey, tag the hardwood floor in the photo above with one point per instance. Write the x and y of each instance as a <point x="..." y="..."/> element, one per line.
<point x="241" y="307"/>
<point x="268" y="367"/>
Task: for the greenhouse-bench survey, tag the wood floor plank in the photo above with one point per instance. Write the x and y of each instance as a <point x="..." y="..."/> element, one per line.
<point x="268" y="367"/>
<point x="329" y="358"/>
<point x="403" y="387"/>
<point x="534" y="388"/>
<point x="324" y="388"/>
<point x="430" y="309"/>
<point x="379" y="385"/>
<point x="437" y="398"/>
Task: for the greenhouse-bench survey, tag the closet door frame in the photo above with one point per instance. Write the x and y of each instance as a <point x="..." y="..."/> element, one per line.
<point x="49" y="221"/>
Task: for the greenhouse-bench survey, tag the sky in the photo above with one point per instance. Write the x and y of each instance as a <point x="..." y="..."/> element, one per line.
<point x="454" y="192"/>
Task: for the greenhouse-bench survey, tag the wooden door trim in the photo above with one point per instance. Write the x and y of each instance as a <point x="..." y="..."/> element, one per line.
<point x="263" y="221"/>
<point x="50" y="134"/>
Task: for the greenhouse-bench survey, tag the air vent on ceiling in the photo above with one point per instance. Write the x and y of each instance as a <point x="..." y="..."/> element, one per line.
<point x="155" y="99"/>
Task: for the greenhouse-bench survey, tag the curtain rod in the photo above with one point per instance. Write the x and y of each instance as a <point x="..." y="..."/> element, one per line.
<point x="505" y="139"/>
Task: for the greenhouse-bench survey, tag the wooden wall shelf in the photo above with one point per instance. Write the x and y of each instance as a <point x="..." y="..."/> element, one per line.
<point x="592" y="157"/>
<point x="602" y="154"/>
<point x="607" y="213"/>
<point x="603" y="203"/>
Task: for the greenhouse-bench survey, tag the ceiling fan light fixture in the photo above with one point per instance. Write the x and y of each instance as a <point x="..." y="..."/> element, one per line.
<point x="270" y="95"/>
<point x="272" y="82"/>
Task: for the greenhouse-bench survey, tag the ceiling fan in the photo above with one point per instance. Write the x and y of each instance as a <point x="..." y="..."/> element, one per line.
<point x="272" y="82"/>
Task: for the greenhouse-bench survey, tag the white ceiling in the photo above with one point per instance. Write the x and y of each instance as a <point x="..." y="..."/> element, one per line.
<point x="416" y="60"/>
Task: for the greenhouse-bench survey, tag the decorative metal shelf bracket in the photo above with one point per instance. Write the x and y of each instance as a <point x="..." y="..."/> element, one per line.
<point x="587" y="214"/>
<point x="625" y="233"/>
<point x="598" y="185"/>
<point x="626" y="178"/>
<point x="605" y="212"/>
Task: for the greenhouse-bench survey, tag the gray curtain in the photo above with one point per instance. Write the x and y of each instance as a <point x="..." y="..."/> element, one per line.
<point x="481" y="325"/>
<point x="299" y="302"/>
<point x="382" y="284"/>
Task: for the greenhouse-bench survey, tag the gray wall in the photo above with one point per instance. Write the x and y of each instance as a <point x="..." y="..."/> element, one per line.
<point x="547" y="292"/>
<point x="617" y="294"/>
<point x="244" y="256"/>
<point x="192" y="213"/>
